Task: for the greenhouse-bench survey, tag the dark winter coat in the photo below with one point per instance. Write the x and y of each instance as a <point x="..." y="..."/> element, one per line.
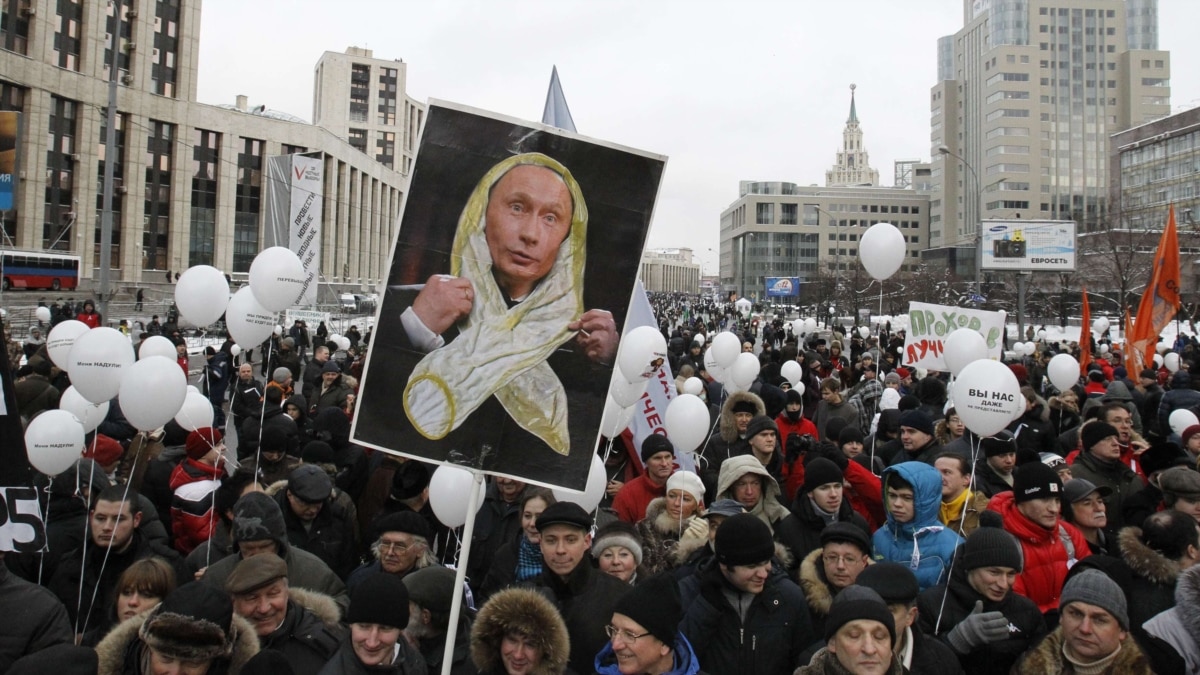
<point x="1179" y="627"/>
<point x="31" y="619"/>
<point x="35" y="394"/>
<point x="497" y="523"/>
<point x="330" y="536"/>
<point x="76" y="570"/>
<point x="312" y="379"/>
<point x="1048" y="657"/>
<point x="988" y="481"/>
<point x="121" y="651"/>
<point x="770" y="639"/>
<point x="586" y="600"/>
<point x="811" y="523"/>
<point x="1154" y="576"/>
<point x="272" y="418"/>
<point x="1026" y="625"/>
<point x="824" y="663"/>
<point x="1114" y="475"/>
<point x="310" y="632"/>
<point x="1034" y="432"/>
<point x="725" y="442"/>
<point x="931" y="657"/>
<point x="246" y="401"/>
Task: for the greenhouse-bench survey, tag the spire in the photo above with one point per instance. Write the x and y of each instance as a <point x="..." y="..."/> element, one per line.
<point x="556" y="113"/>
<point x="852" y="167"/>
<point x="853" y="113"/>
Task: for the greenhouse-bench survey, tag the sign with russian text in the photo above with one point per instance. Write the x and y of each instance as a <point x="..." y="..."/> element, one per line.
<point x="930" y="325"/>
<point x="10" y="124"/>
<point x="304" y="225"/>
<point x="1029" y="245"/>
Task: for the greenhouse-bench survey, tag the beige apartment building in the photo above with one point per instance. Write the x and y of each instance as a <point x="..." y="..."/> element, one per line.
<point x="670" y="270"/>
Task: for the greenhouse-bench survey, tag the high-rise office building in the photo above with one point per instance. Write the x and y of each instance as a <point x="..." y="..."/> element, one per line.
<point x="1028" y="94"/>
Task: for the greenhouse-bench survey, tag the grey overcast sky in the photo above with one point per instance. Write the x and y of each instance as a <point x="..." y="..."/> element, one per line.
<point x="745" y="90"/>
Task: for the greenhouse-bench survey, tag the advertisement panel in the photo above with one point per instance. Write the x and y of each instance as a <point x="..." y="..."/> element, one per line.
<point x="1029" y="245"/>
<point x="783" y="287"/>
<point x="304" y="225"/>
<point x="930" y="325"/>
<point x="10" y="124"/>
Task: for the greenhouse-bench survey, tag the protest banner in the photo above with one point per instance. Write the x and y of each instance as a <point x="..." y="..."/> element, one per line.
<point x="929" y="326"/>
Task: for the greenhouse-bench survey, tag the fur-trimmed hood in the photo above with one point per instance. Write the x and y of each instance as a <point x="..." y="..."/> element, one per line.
<point x="817" y="590"/>
<point x="525" y="611"/>
<point x="322" y="606"/>
<point x="729" y="432"/>
<point x="1187" y="601"/>
<point x="119" y="645"/>
<point x="1048" y="657"/>
<point x="661" y="520"/>
<point x="1145" y="561"/>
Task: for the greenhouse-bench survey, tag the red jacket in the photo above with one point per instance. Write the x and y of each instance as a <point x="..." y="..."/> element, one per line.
<point x="192" y="517"/>
<point x="92" y="320"/>
<point x="865" y="494"/>
<point x="631" y="502"/>
<point x="793" y="474"/>
<point x="1044" y="551"/>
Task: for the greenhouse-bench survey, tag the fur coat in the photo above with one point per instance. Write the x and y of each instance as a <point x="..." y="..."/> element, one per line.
<point x="1047" y="659"/>
<point x="661" y="537"/>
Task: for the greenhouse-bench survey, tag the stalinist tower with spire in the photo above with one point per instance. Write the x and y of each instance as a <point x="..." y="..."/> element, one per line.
<point x="853" y="167"/>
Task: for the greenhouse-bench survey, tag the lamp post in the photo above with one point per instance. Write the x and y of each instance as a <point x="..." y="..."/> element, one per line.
<point x="837" y="250"/>
<point x="945" y="150"/>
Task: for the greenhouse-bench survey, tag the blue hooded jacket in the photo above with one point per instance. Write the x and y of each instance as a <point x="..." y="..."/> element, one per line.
<point x="924" y="544"/>
<point x="686" y="662"/>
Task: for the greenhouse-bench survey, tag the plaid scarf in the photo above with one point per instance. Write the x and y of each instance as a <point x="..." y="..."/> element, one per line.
<point x="529" y="560"/>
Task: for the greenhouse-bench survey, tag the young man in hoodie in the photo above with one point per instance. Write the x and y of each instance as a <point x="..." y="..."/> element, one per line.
<point x="913" y="535"/>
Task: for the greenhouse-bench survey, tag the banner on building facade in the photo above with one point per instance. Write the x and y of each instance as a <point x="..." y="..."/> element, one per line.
<point x="1029" y="245"/>
<point x="294" y="203"/>
<point x="783" y="287"/>
<point x="10" y="143"/>
<point x="930" y="325"/>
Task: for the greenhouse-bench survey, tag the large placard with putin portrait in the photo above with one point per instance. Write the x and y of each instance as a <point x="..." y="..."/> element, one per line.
<point x="509" y="283"/>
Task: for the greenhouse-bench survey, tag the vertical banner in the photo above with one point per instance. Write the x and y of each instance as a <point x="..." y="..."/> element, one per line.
<point x="278" y="201"/>
<point x="10" y="125"/>
<point x="307" y="180"/>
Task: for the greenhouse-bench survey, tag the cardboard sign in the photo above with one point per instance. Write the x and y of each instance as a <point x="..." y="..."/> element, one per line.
<point x="930" y="325"/>
<point x="21" y="526"/>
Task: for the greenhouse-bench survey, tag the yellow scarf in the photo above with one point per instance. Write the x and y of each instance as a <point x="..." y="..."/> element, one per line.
<point x="953" y="509"/>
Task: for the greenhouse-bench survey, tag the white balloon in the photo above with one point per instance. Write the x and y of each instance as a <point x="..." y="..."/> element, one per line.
<point x="277" y="278"/>
<point x="798" y="387"/>
<point x="1100" y="325"/>
<point x="592" y="493"/>
<point x="1030" y="348"/>
<point x="1041" y="334"/>
<point x="693" y="386"/>
<point x="792" y="371"/>
<point x="725" y="348"/>
<point x="54" y="441"/>
<point x="89" y="414"/>
<point x="152" y="391"/>
<point x="1162" y="348"/>
<point x="1181" y="419"/>
<point x="61" y="339"/>
<point x="963" y="347"/>
<point x="335" y="338"/>
<point x="1171" y="361"/>
<point x="278" y="330"/>
<point x="201" y="294"/>
<point x="745" y="369"/>
<point x="235" y="350"/>
<point x="732" y="387"/>
<point x="985" y="393"/>
<point x="864" y="332"/>
<point x="344" y="343"/>
<point x="686" y="422"/>
<point x="810" y="324"/>
<point x="641" y="353"/>
<point x="1104" y="348"/>
<point x="710" y="362"/>
<point x="626" y="393"/>
<point x="98" y="360"/>
<point x="616" y="418"/>
<point x="1063" y="371"/>
<point x="448" y="492"/>
<point x="192" y="388"/>
<point x="42" y="313"/>
<point x="249" y="322"/>
<point x="195" y="411"/>
<point x="798" y="327"/>
<point x="882" y="249"/>
<point x="157" y="345"/>
<point x="1158" y="361"/>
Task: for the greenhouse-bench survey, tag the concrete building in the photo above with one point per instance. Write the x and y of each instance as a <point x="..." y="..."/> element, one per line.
<point x="361" y="99"/>
<point x="670" y="270"/>
<point x="190" y="176"/>
<point x="1028" y="94"/>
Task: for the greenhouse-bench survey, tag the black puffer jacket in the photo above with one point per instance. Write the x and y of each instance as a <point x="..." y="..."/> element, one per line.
<point x="31" y="619"/>
<point x="811" y="523"/>
<point x="586" y="601"/>
<point x="1026" y="625"/>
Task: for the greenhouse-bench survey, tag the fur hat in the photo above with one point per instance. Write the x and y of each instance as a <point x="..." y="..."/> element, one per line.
<point x="523" y="612"/>
<point x="618" y="533"/>
<point x="193" y="623"/>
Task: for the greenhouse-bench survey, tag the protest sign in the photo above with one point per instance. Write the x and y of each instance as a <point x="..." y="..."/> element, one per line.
<point x="930" y="325"/>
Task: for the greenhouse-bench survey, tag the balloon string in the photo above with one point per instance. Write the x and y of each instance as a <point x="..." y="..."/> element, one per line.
<point x="103" y="562"/>
<point x="974" y="445"/>
<point x="42" y="553"/>
<point x="262" y="413"/>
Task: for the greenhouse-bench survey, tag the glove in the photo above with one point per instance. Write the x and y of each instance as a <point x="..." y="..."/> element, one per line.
<point x="978" y="629"/>
<point x="697" y="529"/>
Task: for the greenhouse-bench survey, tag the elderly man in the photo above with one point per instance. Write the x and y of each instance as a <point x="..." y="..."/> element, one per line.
<point x="302" y="625"/>
<point x="430" y="592"/>
<point x="845" y="552"/>
<point x="1093" y="633"/>
<point x="916" y="651"/>
<point x="1181" y="490"/>
<point x="315" y="521"/>
<point x="1100" y="462"/>
<point x="246" y="401"/>
<point x="644" y="636"/>
<point x="401" y="547"/>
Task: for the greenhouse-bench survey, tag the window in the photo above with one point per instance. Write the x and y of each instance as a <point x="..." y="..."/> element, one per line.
<point x="764" y="214"/>
<point x="385" y="148"/>
<point x="1007" y="77"/>
<point x="1006" y="112"/>
<point x="248" y="203"/>
<point x="360" y="91"/>
<point x="1007" y="150"/>
<point x="59" y="212"/>
<point x="203" y="230"/>
<point x="788" y="214"/>
<point x="387" y="96"/>
<point x="117" y="18"/>
<point x="166" y="47"/>
<point x="118" y="199"/>
<point x="1007" y="95"/>
<point x="1007" y="168"/>
<point x="156" y="231"/>
<point x="68" y="33"/>
<point x="14" y="27"/>
<point x="358" y="139"/>
<point x="1006" y="204"/>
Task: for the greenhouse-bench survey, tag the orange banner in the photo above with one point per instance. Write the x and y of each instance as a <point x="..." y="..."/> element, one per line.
<point x="1160" y="301"/>
<point x="1085" y="336"/>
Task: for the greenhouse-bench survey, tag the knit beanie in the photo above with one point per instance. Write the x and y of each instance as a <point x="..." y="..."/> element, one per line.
<point x="744" y="539"/>
<point x="688" y="482"/>
<point x="1189" y="432"/>
<point x="820" y="471"/>
<point x="654" y="444"/>
<point x="257" y="517"/>
<point x="104" y="450"/>
<point x="1000" y="444"/>
<point x="895" y="583"/>
<point x="760" y="424"/>
<point x="991" y="547"/>
<point x="201" y="441"/>
<point x="919" y="420"/>
<point x="1093" y="587"/>
<point x="794" y="396"/>
<point x="654" y="604"/>
<point x="193" y="623"/>
<point x="1035" y="480"/>
<point x="618" y="533"/>
<point x="856" y="603"/>
<point x="1094" y="432"/>
<point x="380" y="599"/>
<point x="850" y="435"/>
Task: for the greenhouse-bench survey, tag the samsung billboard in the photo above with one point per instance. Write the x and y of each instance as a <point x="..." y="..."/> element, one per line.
<point x="1029" y="245"/>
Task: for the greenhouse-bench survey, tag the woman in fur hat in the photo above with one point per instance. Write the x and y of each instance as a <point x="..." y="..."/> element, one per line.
<point x="193" y="632"/>
<point x="519" y="631"/>
<point x="672" y="519"/>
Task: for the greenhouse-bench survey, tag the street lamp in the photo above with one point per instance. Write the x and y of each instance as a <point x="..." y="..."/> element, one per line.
<point x="837" y="251"/>
<point x="945" y="150"/>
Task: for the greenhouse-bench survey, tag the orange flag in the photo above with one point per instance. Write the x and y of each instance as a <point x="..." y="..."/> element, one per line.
<point x="1160" y="301"/>
<point x="1133" y="363"/>
<point x="1085" y="336"/>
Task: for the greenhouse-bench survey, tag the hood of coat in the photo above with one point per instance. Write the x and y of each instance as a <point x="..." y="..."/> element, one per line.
<point x="735" y="467"/>
<point x="115" y="647"/>
<point x="1117" y="392"/>
<point x="1187" y="599"/>
<point x="1145" y="561"/>
<point x="728" y="426"/>
<point x="321" y="605"/>
<point x="529" y="613"/>
<point x="927" y="494"/>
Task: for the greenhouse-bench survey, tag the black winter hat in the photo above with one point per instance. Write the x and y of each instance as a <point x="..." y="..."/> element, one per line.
<point x="991" y="547"/>
<point x="1161" y="456"/>
<point x="409" y="480"/>
<point x="381" y="599"/>
<point x="759" y="424"/>
<point x="743" y="539"/>
<point x="818" y="472"/>
<point x="744" y="406"/>
<point x="654" y="604"/>
<point x="794" y="396"/>
<point x="919" y="420"/>
<point x="850" y="435"/>
<point x="193" y="623"/>
<point x="856" y="603"/>
<point x="846" y="533"/>
<point x="654" y="444"/>
<point x="256" y="517"/>
<point x="410" y="522"/>
<point x="1000" y="444"/>
<point x="1094" y="432"/>
<point x="1035" y="480"/>
<point x="895" y="583"/>
<point x="318" y="452"/>
<point x="833" y="427"/>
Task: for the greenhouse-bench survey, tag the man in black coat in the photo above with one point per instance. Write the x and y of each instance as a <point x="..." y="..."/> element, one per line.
<point x="247" y="399"/>
<point x="315" y="522"/>
<point x="31" y="618"/>
<point x="273" y="416"/>
<point x="917" y="652"/>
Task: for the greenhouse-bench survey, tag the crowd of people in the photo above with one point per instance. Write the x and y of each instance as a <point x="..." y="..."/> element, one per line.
<point x="850" y="525"/>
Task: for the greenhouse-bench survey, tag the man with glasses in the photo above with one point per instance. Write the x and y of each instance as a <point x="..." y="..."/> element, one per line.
<point x="845" y="552"/>
<point x="400" y="547"/>
<point x="742" y="616"/>
<point x="644" y="637"/>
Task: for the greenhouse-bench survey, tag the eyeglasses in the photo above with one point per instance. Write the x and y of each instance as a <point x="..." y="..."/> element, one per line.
<point x="393" y="546"/>
<point x="626" y="636"/>
<point x="847" y="560"/>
